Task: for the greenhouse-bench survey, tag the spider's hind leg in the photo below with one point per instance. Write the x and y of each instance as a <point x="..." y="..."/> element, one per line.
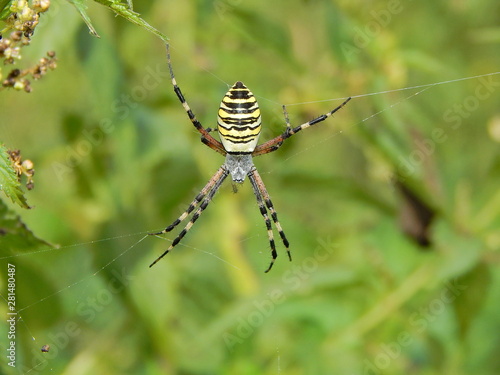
<point x="205" y="197"/>
<point x="264" y="200"/>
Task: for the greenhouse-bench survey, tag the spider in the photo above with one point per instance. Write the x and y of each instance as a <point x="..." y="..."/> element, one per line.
<point x="239" y="126"/>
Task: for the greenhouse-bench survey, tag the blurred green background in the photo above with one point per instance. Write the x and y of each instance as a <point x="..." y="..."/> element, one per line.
<point x="387" y="277"/>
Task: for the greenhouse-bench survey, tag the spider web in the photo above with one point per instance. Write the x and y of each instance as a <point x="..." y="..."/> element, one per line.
<point x="138" y="237"/>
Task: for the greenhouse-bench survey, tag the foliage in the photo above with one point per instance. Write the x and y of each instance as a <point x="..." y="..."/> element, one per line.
<point x="123" y="10"/>
<point x="20" y="19"/>
<point x="391" y="207"/>
<point x="9" y="180"/>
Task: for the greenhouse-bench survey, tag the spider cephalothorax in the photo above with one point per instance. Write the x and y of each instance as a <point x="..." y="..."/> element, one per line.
<point x="238" y="125"/>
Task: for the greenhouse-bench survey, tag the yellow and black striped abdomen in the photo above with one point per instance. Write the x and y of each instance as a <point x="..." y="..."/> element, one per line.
<point x="238" y="120"/>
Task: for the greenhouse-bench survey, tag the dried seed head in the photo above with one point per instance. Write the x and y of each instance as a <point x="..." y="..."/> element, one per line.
<point x="41" y="6"/>
<point x="16" y="36"/>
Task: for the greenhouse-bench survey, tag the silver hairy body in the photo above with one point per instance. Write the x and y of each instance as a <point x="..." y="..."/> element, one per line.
<point x="239" y="166"/>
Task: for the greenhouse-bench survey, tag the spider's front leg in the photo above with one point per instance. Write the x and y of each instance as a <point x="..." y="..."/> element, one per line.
<point x="206" y="138"/>
<point x="276" y="143"/>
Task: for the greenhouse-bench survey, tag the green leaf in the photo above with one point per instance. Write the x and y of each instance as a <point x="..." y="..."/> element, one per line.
<point x="9" y="182"/>
<point x="5" y="8"/>
<point x="81" y="8"/>
<point x="119" y="8"/>
<point x="125" y="10"/>
<point x="15" y="235"/>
